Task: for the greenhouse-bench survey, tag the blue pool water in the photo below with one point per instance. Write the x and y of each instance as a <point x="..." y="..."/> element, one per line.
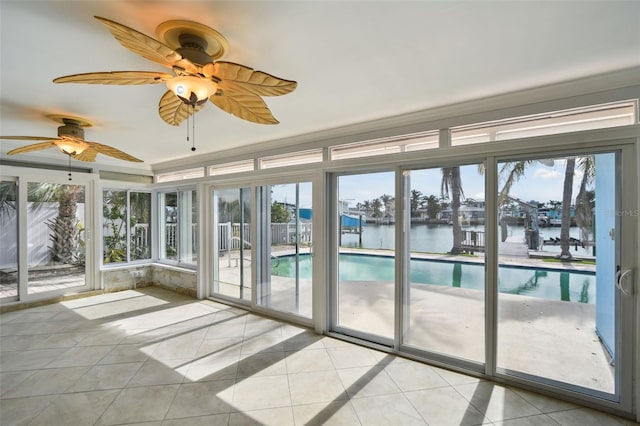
<point x="575" y="286"/>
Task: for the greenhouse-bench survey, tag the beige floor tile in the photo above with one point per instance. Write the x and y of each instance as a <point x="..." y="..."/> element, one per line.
<point x="211" y="367"/>
<point x="63" y="340"/>
<point x="215" y="358"/>
<point x="85" y="355"/>
<point x="268" y="417"/>
<point x="149" y="403"/>
<point x="121" y="354"/>
<point x="20" y="343"/>
<point x="263" y="343"/>
<point x="544" y="403"/>
<point x="445" y="406"/>
<point x="262" y="364"/>
<point x="317" y="386"/>
<point x="21" y="411"/>
<point x="11" y="379"/>
<point x="496" y="402"/>
<point x="256" y="393"/>
<point x="454" y="378"/>
<point x="588" y="417"/>
<point x="308" y="360"/>
<point x="199" y="399"/>
<point x="226" y="327"/>
<point x="154" y="372"/>
<point x="261" y="327"/>
<point x="214" y="420"/>
<point x="367" y="381"/>
<point x="539" y="420"/>
<point x="220" y="346"/>
<point x="351" y="356"/>
<point x="297" y="339"/>
<point x="411" y="375"/>
<point x="330" y="414"/>
<point x="28" y="360"/>
<point x="82" y="408"/>
<point x="47" y="382"/>
<point x="185" y="345"/>
<point x="109" y="376"/>
<point x="392" y="410"/>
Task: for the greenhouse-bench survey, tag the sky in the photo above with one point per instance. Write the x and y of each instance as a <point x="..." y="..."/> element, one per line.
<point x="541" y="183"/>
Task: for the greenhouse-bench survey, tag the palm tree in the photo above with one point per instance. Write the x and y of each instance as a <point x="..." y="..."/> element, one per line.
<point x="417" y="200"/>
<point x="452" y="184"/>
<point x="567" y="192"/>
<point x="386" y="202"/>
<point x="584" y="212"/>
<point x="66" y="231"/>
<point x="512" y="172"/>
<point x="376" y="206"/>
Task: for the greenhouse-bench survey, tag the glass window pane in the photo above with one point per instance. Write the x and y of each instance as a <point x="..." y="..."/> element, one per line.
<point x="556" y="291"/>
<point x="188" y="227"/>
<point x="293" y="159"/>
<point x="169" y="211"/>
<point x="232" y="224"/>
<point x="366" y="265"/>
<point x="114" y="226"/>
<point x="445" y="293"/>
<point x="287" y="233"/>
<point x="55" y="236"/>
<point x="8" y="240"/>
<point x="227" y="168"/>
<point x="549" y="123"/>
<point x="140" y="214"/>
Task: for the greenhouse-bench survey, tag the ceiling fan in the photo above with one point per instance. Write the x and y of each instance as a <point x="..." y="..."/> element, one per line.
<point x="191" y="51"/>
<point x="70" y="141"/>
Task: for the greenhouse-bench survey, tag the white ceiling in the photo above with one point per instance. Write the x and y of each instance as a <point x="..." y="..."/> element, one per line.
<point x="353" y="61"/>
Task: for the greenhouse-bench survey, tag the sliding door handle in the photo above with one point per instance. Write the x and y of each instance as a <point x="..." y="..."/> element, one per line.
<point x="621" y="279"/>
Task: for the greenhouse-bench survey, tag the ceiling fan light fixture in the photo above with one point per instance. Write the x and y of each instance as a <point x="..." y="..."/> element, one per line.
<point x="71" y="147"/>
<point x="191" y="89"/>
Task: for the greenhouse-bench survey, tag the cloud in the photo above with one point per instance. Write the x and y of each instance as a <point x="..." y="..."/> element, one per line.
<point x="547" y="174"/>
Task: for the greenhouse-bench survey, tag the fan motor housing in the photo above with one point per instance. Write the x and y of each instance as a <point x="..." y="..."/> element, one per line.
<point x="194" y="49"/>
<point x="71" y="130"/>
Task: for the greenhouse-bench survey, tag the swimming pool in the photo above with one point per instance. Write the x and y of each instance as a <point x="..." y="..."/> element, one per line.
<point x="546" y="283"/>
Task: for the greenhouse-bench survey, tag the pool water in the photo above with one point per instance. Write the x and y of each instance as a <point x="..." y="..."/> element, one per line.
<point x="575" y="286"/>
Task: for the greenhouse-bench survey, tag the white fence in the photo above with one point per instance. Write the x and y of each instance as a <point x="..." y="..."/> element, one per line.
<point x="38" y="234"/>
<point x="281" y="233"/>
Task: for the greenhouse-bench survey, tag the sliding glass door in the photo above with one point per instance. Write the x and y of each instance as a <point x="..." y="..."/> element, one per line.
<point x="8" y="240"/>
<point x="535" y="288"/>
<point x="365" y="263"/>
<point x="56" y="236"/>
<point x="444" y="292"/>
<point x="563" y="287"/>
<point x="285" y="230"/>
<point x="232" y="243"/>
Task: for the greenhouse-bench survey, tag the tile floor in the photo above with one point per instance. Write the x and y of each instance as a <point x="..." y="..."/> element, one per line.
<point x="152" y="357"/>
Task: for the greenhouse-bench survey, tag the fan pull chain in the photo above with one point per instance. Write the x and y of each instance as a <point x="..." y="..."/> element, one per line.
<point x="69" y="167"/>
<point x="187" y="126"/>
<point x="193" y="128"/>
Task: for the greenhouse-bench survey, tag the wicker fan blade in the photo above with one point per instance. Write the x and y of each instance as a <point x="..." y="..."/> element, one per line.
<point x="88" y="155"/>
<point x="242" y="78"/>
<point x="28" y="138"/>
<point x="98" y="148"/>
<point x="33" y="147"/>
<point x="246" y="106"/>
<point x="116" y="77"/>
<point x="147" y="47"/>
<point x="173" y="110"/>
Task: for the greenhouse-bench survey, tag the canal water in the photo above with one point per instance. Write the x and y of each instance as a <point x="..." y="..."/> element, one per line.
<point x="438" y="238"/>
